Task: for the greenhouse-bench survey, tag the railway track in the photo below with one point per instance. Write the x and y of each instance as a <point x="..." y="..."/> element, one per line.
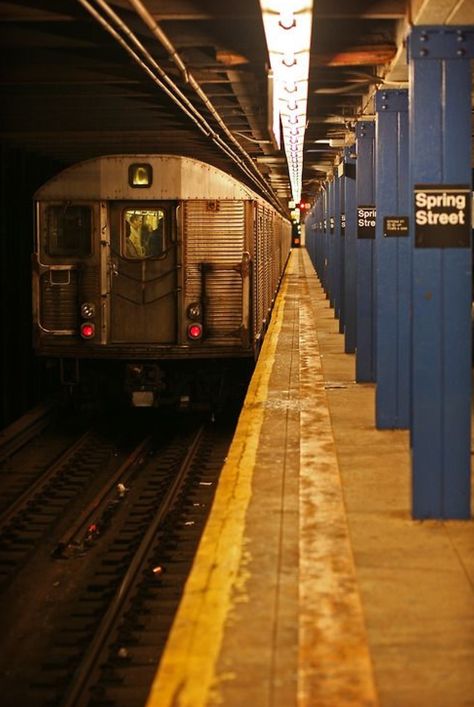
<point x="24" y="523"/>
<point x="21" y="432"/>
<point x="129" y="552"/>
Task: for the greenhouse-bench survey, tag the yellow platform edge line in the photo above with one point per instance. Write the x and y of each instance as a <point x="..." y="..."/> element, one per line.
<point x="187" y="670"/>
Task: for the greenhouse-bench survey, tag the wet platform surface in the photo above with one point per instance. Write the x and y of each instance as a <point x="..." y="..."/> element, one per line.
<point x="312" y="585"/>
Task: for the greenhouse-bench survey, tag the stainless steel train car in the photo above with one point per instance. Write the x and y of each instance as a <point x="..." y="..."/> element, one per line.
<point x="156" y="268"/>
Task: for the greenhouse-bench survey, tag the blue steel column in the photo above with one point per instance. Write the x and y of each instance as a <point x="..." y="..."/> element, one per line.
<point x="350" y="237"/>
<point x="309" y="235"/>
<point x="440" y="154"/>
<point x="319" y="240"/>
<point x="336" y="228"/>
<point x="342" y="253"/>
<point x="331" y="245"/>
<point x="393" y="260"/>
<point x="316" y="235"/>
<point x="325" y="241"/>
<point x="365" y="188"/>
<point x="322" y="239"/>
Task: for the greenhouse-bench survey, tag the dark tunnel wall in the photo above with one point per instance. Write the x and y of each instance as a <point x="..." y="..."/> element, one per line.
<point x="23" y="379"/>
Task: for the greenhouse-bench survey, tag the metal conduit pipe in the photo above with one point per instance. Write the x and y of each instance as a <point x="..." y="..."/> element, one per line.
<point x="152" y="25"/>
<point x="161" y="36"/>
<point x="176" y="95"/>
<point x="172" y="91"/>
<point x="106" y="25"/>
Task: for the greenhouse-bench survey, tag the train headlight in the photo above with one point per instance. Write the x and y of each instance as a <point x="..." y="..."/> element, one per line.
<point x="87" y="330"/>
<point x="87" y="310"/>
<point x="195" y="331"/>
<point x="194" y="311"/>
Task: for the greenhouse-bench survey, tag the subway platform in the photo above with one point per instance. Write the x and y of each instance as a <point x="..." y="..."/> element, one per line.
<point x="313" y="587"/>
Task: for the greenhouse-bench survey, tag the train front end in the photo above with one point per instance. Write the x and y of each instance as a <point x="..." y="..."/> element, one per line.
<point x="141" y="275"/>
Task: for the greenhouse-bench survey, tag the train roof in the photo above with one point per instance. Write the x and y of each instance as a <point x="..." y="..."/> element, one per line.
<point x="173" y="177"/>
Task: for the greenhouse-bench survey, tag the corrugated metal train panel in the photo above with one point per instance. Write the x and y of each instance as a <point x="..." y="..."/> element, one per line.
<point x="214" y="235"/>
<point x="59" y="303"/>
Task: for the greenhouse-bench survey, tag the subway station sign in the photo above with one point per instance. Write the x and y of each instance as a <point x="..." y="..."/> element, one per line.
<point x="366" y="221"/>
<point x="442" y="216"/>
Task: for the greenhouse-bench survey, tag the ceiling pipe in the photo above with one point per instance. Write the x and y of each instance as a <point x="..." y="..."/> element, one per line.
<point x="167" y="85"/>
<point x="158" y="33"/>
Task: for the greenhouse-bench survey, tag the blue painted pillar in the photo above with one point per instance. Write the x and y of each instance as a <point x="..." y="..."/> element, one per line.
<point x="331" y="243"/>
<point x="440" y="181"/>
<point x="310" y="233"/>
<point x="340" y="216"/>
<point x="365" y="196"/>
<point x="350" y="251"/>
<point x="393" y="260"/>
<point x="316" y="236"/>
<point x="326" y="257"/>
<point x="308" y="226"/>
<point x="313" y="235"/>
<point x="336" y="235"/>
<point x="320" y="242"/>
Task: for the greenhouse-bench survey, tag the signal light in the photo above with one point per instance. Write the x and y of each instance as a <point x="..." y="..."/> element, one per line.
<point x="87" y="330"/>
<point x="195" y="331"/>
<point x="87" y="310"/>
<point x="194" y="311"/>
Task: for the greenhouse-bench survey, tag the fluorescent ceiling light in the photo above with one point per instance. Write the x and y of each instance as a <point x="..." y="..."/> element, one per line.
<point x="287" y="26"/>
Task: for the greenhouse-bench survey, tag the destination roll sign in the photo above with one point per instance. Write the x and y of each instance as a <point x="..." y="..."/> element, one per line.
<point x="442" y="216"/>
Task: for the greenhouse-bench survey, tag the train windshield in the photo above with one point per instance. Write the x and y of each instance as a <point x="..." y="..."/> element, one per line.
<point x="143" y="233"/>
<point x="68" y="230"/>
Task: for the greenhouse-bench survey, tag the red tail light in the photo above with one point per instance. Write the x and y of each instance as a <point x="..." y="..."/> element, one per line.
<point x="195" y="331"/>
<point x="87" y="330"/>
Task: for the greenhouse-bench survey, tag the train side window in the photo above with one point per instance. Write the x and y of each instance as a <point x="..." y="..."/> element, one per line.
<point x="144" y="233"/>
<point x="68" y="230"/>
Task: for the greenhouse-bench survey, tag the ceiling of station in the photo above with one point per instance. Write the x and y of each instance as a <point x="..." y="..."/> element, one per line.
<point x="81" y="78"/>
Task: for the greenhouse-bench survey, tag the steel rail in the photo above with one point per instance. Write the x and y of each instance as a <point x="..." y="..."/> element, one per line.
<point x="20" y="432"/>
<point x="23" y="500"/>
<point x="78" y="695"/>
<point x="94" y="509"/>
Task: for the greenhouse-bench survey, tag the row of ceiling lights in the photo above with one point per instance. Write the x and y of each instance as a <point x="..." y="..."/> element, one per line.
<point x="287" y="26"/>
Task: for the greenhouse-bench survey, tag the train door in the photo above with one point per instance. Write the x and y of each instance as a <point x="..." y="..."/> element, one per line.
<point x="143" y="287"/>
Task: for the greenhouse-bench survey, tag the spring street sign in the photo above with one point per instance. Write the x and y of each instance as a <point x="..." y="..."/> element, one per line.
<point x="442" y="216"/>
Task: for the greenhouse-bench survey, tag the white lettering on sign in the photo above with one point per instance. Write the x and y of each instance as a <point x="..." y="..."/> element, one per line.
<point x="366" y="218"/>
<point x="429" y="201"/>
<point x="442" y="216"/>
<point x="366" y="221"/>
<point x="450" y="209"/>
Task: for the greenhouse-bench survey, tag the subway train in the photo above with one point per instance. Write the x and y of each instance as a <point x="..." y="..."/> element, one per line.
<point x="153" y="275"/>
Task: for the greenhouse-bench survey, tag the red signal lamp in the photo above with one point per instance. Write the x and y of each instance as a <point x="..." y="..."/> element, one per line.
<point x="195" y="331"/>
<point x="87" y="330"/>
